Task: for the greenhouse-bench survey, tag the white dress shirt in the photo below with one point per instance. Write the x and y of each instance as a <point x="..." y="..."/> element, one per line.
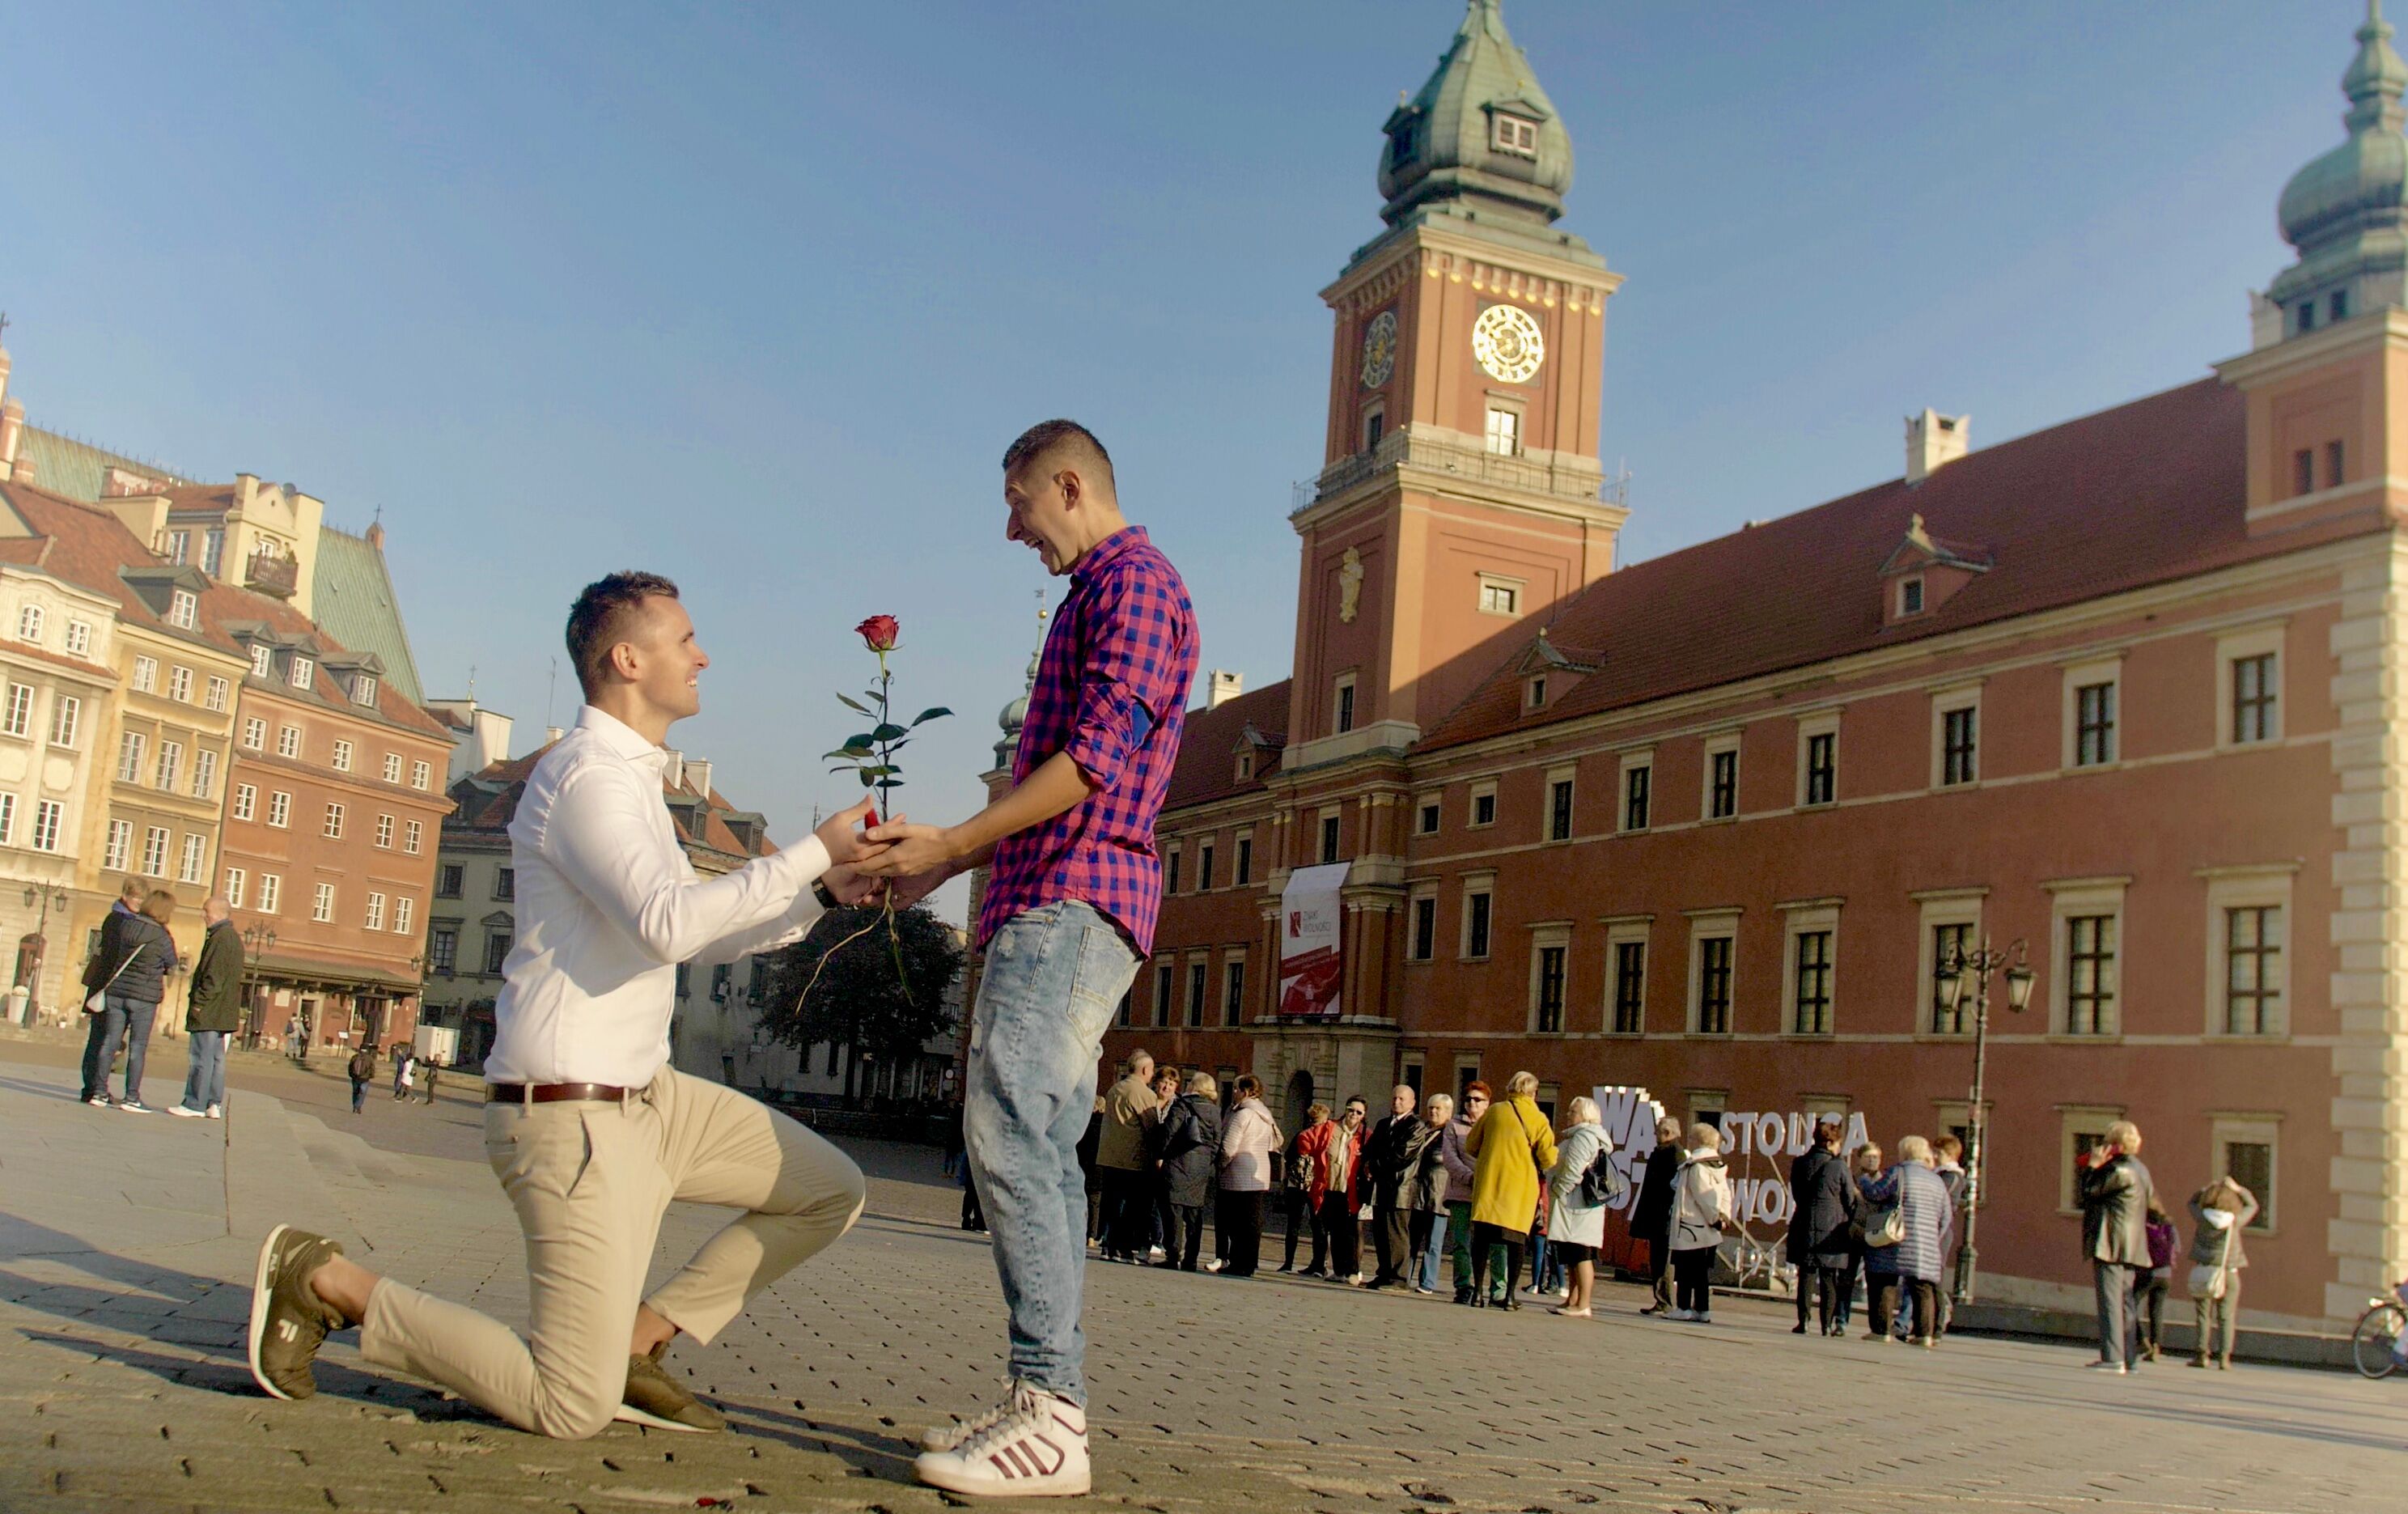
<point x="607" y="906"/>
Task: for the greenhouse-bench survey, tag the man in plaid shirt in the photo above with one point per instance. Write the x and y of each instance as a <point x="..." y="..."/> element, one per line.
<point x="1072" y="889"/>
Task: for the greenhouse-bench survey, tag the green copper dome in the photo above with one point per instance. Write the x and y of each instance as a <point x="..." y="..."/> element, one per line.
<point x="2345" y="211"/>
<point x="1480" y="134"/>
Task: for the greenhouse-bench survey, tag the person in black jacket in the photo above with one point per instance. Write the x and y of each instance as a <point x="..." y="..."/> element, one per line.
<point x="1388" y="1155"/>
<point x="1191" y="1165"/>
<point x="1651" y="1215"/>
<point x="1824" y="1200"/>
<point x="129" y="972"/>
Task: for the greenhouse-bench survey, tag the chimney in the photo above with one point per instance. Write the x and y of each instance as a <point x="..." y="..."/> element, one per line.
<point x="1933" y="439"/>
<point x="375" y="534"/>
<point x="246" y="489"/>
<point x="12" y="429"/>
<point x="1221" y="687"/>
<point x="674" y="774"/>
<point x="550" y="735"/>
<point x="697" y="772"/>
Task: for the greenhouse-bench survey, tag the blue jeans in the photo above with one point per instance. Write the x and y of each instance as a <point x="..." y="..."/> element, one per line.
<point x="204" y="1079"/>
<point x="1424" y="1273"/>
<point x="1054" y="974"/>
<point x="119" y="1016"/>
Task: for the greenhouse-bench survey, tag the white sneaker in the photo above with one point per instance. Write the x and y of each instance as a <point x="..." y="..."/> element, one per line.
<point x="2116" y="1367"/>
<point x="134" y="1107"/>
<point x="1214" y="1264"/>
<point x="1685" y="1316"/>
<point x="217" y="1111"/>
<point x="188" y="1114"/>
<point x="1156" y="1253"/>
<point x="1701" y="1319"/>
<point x="1035" y="1447"/>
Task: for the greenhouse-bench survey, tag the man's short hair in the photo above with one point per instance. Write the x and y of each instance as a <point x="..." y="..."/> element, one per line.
<point x="1046" y="435"/>
<point x="1140" y="1058"/>
<point x="596" y="623"/>
<point x="133" y="890"/>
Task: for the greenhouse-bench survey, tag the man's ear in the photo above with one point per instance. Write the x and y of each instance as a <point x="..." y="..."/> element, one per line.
<point x="1072" y="487"/>
<point x="624" y="660"/>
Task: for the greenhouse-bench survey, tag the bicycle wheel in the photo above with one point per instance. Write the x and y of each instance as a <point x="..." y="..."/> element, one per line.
<point x="2369" y="1344"/>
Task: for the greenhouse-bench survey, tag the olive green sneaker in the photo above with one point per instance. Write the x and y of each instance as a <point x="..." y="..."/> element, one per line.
<point x="656" y="1399"/>
<point x="288" y="1320"/>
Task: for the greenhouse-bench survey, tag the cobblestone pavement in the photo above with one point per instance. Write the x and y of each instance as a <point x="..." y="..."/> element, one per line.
<point x="125" y="1246"/>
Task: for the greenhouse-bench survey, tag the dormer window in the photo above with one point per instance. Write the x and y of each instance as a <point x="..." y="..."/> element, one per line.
<point x="1245" y="765"/>
<point x="1909" y="596"/>
<point x="263" y="657"/>
<point x="2307" y="316"/>
<point x="302" y="669"/>
<point x="2337" y="307"/>
<point x="363" y="689"/>
<point x="1513" y="135"/>
<point x="1534" y="692"/>
<point x="183" y="608"/>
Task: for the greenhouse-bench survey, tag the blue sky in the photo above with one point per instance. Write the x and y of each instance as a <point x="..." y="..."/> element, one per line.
<point x="756" y="296"/>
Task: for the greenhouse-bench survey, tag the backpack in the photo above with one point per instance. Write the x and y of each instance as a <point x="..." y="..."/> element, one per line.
<point x="1602" y="1182"/>
<point x="363" y="1067"/>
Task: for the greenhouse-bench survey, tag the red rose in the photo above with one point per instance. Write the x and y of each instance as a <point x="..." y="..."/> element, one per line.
<point x="879" y="631"/>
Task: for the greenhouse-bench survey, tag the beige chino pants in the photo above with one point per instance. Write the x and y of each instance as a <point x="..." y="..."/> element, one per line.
<point x="590" y="1181"/>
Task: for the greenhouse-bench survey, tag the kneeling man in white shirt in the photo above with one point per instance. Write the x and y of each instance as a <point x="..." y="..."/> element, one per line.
<point x="589" y="1129"/>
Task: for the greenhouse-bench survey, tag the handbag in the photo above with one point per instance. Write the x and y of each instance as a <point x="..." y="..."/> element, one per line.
<point x="92" y="1005"/>
<point x="1884" y="1224"/>
<point x="1602" y="1182"/>
<point x="2207" y="1281"/>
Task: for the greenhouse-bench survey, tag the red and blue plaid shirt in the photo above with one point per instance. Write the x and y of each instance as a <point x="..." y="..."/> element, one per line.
<point x="1112" y="691"/>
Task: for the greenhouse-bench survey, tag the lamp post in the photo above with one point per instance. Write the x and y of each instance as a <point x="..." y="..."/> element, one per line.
<point x="36" y="948"/>
<point x="1953" y="970"/>
<point x="257" y="936"/>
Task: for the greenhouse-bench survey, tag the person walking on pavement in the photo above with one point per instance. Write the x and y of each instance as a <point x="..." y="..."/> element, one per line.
<point x="1460" y="1173"/>
<point x="1425" y="1194"/>
<point x="1824" y="1204"/>
<point x="1071" y="897"/>
<point x="2116" y="1193"/>
<point x="405" y="1063"/>
<point x="363" y="1071"/>
<point x="1389" y="1152"/>
<point x="1250" y="1143"/>
<point x="2220" y="1212"/>
<point x="1191" y="1162"/>
<point x="129" y="973"/>
<point x="1509" y="1149"/>
<point x="1702" y="1215"/>
<point x="1651" y="1213"/>
<point x="430" y="1067"/>
<point x="1120" y="1161"/>
<point x="106" y="960"/>
<point x="1575" y="1223"/>
<point x="211" y="1012"/>
<point x="590" y="1131"/>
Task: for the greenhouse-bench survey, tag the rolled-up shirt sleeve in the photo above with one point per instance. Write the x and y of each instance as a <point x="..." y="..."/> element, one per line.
<point x="610" y="848"/>
<point x="1134" y="631"/>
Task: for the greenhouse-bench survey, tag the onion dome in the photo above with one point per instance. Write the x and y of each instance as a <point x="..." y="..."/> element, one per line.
<point x="2345" y="211"/>
<point x="1480" y="137"/>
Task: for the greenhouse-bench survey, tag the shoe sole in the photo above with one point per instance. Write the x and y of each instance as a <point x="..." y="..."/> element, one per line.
<point x="1060" y="1485"/>
<point x="630" y="1414"/>
<point x="259" y="1299"/>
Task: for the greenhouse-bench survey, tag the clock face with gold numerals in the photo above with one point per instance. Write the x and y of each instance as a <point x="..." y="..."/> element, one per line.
<point x="1380" y="350"/>
<point x="1508" y="343"/>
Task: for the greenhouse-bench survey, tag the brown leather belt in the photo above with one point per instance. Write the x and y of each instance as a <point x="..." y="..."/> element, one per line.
<point x="557" y="1092"/>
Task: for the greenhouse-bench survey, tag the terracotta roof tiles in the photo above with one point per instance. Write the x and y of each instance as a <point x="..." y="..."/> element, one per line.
<point x="1207" y="768"/>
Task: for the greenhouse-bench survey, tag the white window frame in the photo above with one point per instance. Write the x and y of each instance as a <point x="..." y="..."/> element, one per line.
<point x="419" y="775"/>
<point x="2069" y="898"/>
<point x="280" y="810"/>
<point x="322" y="904"/>
<point x="2260" y="641"/>
<point x="2073" y="1121"/>
<point x="1555" y="934"/>
<point x="342" y="759"/>
<point x="363" y="689"/>
<point x="183" y="608"/>
<point x="66" y="722"/>
<point x="2250" y="1127"/>
<point x="146" y="675"/>
<point x="1430" y="807"/>
<point x="120" y="847"/>
<point x="1621" y="931"/>
<point x="412" y="834"/>
<point x="1946" y="702"/>
<point x="79" y="643"/>
<point x="1483" y="789"/>
<point x="384" y="831"/>
<point x="333" y="830"/>
<point x="1802" y="917"/>
<point x="375" y="918"/>
<point x="1321" y="819"/>
<point x="132" y="747"/>
<point x="405" y="909"/>
<point x="304" y="669"/>
<point x="2079" y="676"/>
<point x="1483" y="884"/>
<point x="2248" y="887"/>
<point x="1517" y="136"/>
<point x="29" y="624"/>
<point x="393" y="769"/>
<point x="1631" y="762"/>
<point x="50" y="819"/>
<point x="262" y="660"/>
<point x="19" y="720"/>
<point x="1719" y="744"/>
<point x="171" y="766"/>
<point x="214" y="694"/>
<point x="195" y="860"/>
<point x="246" y="801"/>
<point x="235" y="878"/>
<point x="205" y="772"/>
<point x="1809" y="728"/>
<point x="1510" y="588"/>
<point x="180" y="684"/>
<point x="271" y="889"/>
<point x="1912" y="587"/>
<point x="1940" y="908"/>
<point x="155" y="849"/>
<point x="1707" y="925"/>
<point x="1501" y="423"/>
<point x="288" y="741"/>
<point x="1534" y="692"/>
<point x="255" y="734"/>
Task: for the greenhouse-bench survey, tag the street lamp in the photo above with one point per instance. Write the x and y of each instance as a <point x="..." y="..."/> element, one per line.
<point x="1953" y="970"/>
<point x="257" y="936"/>
<point x="37" y="947"/>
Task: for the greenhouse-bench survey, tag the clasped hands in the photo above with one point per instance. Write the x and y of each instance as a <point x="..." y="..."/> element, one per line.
<point x="896" y="862"/>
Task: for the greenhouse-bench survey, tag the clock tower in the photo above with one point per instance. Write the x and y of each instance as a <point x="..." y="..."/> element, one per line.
<point x="1461" y="498"/>
<point x="1460" y="501"/>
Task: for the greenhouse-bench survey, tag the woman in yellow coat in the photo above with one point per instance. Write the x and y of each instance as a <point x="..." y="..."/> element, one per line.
<point x="1508" y="1149"/>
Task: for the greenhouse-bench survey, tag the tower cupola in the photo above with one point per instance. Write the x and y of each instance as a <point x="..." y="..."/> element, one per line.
<point x="2347" y="211"/>
<point x="1480" y="139"/>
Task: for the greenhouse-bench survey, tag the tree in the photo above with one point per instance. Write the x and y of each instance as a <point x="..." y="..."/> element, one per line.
<point x="856" y="1000"/>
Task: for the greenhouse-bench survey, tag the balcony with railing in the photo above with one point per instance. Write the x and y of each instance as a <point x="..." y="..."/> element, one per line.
<point x="1566" y="478"/>
<point x="271" y="572"/>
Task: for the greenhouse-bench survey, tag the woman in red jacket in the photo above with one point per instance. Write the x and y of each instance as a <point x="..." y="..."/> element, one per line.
<point x="1333" y="1154"/>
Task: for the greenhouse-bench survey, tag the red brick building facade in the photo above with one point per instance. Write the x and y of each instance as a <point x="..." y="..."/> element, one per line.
<point x="2123" y="692"/>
